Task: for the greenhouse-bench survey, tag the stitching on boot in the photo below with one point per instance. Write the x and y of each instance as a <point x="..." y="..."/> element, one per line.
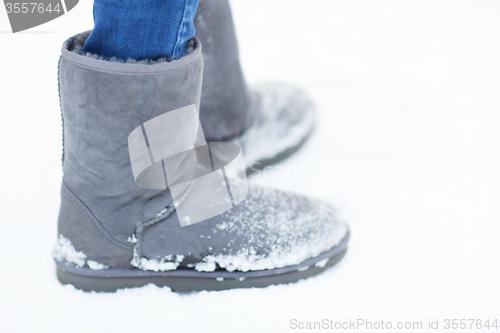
<point x="163" y="214"/>
<point x="74" y="197"/>
<point x="60" y="105"/>
<point x="139" y="230"/>
<point x="138" y="235"/>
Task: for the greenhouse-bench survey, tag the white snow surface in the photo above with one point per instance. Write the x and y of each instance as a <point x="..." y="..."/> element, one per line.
<point x="66" y="252"/>
<point x="97" y="266"/>
<point x="157" y="265"/>
<point x="406" y="147"/>
<point x="321" y="263"/>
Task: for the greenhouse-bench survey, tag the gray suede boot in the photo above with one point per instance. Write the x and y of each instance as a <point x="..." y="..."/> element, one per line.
<point x="114" y="234"/>
<point x="268" y="121"/>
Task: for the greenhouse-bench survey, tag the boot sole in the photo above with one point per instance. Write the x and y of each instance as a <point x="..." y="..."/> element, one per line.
<point x="184" y="280"/>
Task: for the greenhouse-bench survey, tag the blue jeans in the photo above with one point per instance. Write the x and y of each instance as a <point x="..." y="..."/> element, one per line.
<point x="141" y="29"/>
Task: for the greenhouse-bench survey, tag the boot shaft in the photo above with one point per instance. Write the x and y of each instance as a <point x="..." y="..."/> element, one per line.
<point x="102" y="103"/>
<point x="224" y="100"/>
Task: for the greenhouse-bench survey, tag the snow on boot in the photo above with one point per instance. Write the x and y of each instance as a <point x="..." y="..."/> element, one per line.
<point x="269" y="121"/>
<point x="114" y="234"/>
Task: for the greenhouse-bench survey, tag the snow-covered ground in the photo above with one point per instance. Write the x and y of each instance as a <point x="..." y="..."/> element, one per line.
<point x="407" y="148"/>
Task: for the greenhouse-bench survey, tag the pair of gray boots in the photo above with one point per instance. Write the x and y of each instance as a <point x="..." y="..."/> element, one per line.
<point x="114" y="234"/>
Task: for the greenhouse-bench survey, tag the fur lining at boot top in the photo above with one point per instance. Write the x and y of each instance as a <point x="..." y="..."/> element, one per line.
<point x="102" y="103"/>
<point x="79" y="41"/>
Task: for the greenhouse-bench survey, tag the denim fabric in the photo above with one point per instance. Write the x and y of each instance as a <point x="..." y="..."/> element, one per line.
<point x="146" y="29"/>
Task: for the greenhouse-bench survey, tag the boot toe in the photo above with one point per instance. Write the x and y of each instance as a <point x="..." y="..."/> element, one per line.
<point x="280" y="103"/>
<point x="266" y="231"/>
<point x="279" y="230"/>
<point x="281" y="117"/>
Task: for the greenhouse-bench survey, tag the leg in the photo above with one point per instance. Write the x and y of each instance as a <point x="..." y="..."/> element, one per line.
<point x="141" y="30"/>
